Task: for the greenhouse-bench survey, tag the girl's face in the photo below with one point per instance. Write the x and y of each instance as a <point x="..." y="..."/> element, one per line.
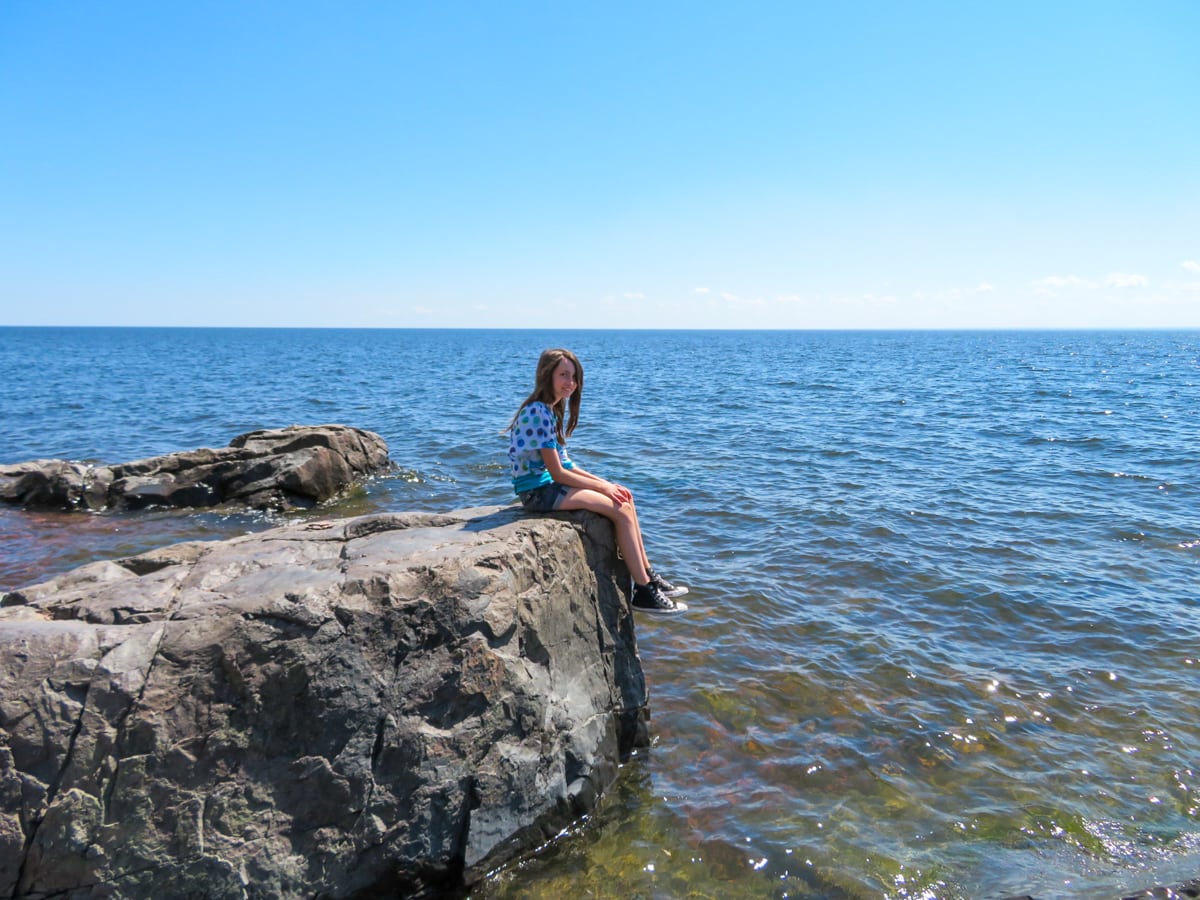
<point x="563" y="380"/>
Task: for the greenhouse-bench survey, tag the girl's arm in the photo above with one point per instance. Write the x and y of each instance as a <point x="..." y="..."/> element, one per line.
<point x="577" y="478"/>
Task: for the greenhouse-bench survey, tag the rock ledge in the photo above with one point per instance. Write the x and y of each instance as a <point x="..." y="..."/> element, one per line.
<point x="385" y="705"/>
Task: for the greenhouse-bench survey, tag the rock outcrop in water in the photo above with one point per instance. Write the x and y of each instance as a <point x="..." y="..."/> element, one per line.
<point x="386" y="705"/>
<point x="279" y="468"/>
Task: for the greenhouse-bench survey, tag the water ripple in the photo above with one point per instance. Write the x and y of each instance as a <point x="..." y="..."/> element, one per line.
<point x="944" y="607"/>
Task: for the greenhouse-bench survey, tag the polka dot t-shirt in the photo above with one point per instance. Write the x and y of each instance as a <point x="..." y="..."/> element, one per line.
<point x="533" y="432"/>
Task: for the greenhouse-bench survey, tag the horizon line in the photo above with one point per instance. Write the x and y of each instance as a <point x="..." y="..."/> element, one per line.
<point x="948" y="328"/>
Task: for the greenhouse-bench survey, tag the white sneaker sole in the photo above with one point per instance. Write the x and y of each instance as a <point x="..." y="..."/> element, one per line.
<point x="679" y="607"/>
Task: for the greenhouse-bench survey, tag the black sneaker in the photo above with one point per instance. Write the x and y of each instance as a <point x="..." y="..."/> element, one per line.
<point x="668" y="589"/>
<point x="648" y="598"/>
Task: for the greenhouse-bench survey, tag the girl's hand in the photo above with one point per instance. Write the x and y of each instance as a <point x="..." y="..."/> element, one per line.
<point x="618" y="493"/>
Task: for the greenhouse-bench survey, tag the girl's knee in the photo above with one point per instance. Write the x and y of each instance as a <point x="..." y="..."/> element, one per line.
<point x="626" y="512"/>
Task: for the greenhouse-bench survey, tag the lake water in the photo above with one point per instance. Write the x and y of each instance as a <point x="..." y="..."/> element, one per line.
<point x="944" y="637"/>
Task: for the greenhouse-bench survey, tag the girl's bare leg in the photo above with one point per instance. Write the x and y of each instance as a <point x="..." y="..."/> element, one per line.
<point x="640" y="541"/>
<point x="624" y="519"/>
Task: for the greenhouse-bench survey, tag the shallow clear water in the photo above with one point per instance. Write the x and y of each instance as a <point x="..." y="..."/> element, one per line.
<point x="945" y="626"/>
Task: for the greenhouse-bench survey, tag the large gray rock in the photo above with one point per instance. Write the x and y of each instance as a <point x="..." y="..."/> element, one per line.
<point x="386" y="705"/>
<point x="285" y="467"/>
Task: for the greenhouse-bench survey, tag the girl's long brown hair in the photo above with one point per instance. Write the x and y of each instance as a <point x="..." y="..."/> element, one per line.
<point x="565" y="411"/>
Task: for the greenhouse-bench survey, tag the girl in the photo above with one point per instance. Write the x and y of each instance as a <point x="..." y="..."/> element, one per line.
<point x="545" y="478"/>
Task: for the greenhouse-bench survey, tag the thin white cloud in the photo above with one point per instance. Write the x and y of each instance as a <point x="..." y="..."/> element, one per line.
<point x="949" y="295"/>
<point x="635" y="295"/>
<point x="1125" y="280"/>
<point x="1065" y="281"/>
<point x="737" y="301"/>
<point x="1192" y="266"/>
<point x="702" y="290"/>
<point x="1051" y="285"/>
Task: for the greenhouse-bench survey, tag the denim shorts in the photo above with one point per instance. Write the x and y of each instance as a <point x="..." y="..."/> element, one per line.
<point x="545" y="498"/>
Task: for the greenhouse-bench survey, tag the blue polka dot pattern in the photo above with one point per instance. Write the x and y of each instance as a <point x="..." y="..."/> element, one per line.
<point x="534" y="431"/>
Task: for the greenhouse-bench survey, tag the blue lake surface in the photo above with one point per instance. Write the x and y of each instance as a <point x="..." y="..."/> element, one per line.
<point x="944" y="637"/>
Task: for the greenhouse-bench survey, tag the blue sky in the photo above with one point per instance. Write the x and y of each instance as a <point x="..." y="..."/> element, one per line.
<point x="641" y="165"/>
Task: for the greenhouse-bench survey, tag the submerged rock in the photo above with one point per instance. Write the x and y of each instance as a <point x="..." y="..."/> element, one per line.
<point x="386" y="705"/>
<point x="297" y="466"/>
<point x="1188" y="889"/>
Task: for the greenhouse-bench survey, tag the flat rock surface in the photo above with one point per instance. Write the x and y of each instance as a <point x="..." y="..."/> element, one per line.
<point x="297" y="466"/>
<point x="387" y="704"/>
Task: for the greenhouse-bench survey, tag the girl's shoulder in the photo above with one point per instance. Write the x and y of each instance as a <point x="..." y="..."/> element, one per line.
<point x="538" y="416"/>
<point x="537" y="408"/>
